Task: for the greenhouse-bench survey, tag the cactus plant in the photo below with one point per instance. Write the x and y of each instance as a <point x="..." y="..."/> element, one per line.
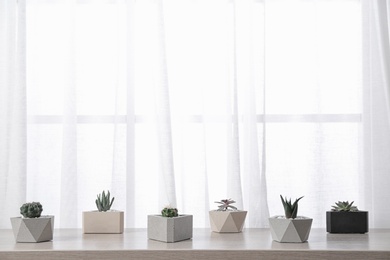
<point x="32" y="227"/>
<point x="169" y="226"/>
<point x="344" y="206"/>
<point x="290" y="210"/>
<point x="31" y="210"/>
<point x="225" y="205"/>
<point x="169" y="212"/>
<point x="103" y="201"/>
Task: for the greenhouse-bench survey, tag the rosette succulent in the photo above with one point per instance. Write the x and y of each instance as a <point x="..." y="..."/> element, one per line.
<point x="225" y="205"/>
<point x="344" y="206"/>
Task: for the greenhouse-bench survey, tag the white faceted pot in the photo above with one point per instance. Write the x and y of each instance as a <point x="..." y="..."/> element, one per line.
<point x="109" y="222"/>
<point x="32" y="230"/>
<point x="169" y="229"/>
<point x="227" y="221"/>
<point x="290" y="230"/>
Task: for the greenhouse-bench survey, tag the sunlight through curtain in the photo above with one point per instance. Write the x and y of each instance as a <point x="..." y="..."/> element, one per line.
<point x="187" y="102"/>
<point x="12" y="107"/>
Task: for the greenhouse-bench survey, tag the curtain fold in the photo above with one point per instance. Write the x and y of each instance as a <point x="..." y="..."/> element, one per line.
<point x="376" y="114"/>
<point x="129" y="185"/>
<point x="234" y="186"/>
<point x="69" y="176"/>
<point x="248" y="104"/>
<point x="163" y="116"/>
<point x="13" y="134"/>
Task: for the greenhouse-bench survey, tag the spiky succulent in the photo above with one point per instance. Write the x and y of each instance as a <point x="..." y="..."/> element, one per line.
<point x="344" y="206"/>
<point x="169" y="212"/>
<point x="31" y="210"/>
<point x="103" y="202"/>
<point x="225" y="205"/>
<point x="290" y="210"/>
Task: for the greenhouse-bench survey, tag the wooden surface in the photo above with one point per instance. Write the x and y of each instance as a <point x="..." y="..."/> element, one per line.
<point x="250" y="244"/>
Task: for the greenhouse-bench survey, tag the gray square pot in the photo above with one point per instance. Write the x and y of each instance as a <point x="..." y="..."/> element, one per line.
<point x="169" y="229"/>
<point x="32" y="230"/>
<point x="290" y="230"/>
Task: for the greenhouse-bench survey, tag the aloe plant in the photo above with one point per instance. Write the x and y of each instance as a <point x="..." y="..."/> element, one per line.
<point x="290" y="209"/>
<point x="344" y="206"/>
<point x="225" y="205"/>
<point x="103" y="202"/>
<point x="31" y="210"/>
<point x="169" y="212"/>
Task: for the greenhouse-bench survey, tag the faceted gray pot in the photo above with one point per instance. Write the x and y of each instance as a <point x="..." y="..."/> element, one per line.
<point x="347" y="222"/>
<point x="32" y="230"/>
<point x="290" y="230"/>
<point x="169" y="229"/>
<point x="228" y="221"/>
<point x="108" y="222"/>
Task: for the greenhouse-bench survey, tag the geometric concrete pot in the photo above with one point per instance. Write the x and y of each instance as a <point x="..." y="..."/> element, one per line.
<point x="290" y="230"/>
<point x="169" y="229"/>
<point x="32" y="230"/>
<point x="227" y="221"/>
<point x="347" y="222"/>
<point x="108" y="222"/>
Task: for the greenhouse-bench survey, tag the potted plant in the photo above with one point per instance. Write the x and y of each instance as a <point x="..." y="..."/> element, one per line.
<point x="104" y="220"/>
<point x="227" y="218"/>
<point x="290" y="228"/>
<point x="346" y="218"/>
<point x="169" y="226"/>
<point x="32" y="227"/>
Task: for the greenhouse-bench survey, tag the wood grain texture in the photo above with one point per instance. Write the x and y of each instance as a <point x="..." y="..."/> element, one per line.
<point x="249" y="244"/>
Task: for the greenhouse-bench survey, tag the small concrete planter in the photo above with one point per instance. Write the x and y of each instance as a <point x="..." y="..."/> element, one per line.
<point x="33" y="230"/>
<point x="169" y="229"/>
<point x="347" y="222"/>
<point x="290" y="230"/>
<point x="228" y="221"/>
<point x="109" y="222"/>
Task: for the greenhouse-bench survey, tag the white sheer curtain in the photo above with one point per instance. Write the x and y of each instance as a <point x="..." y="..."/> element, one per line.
<point x="12" y="107"/>
<point x="376" y="119"/>
<point x="187" y="102"/>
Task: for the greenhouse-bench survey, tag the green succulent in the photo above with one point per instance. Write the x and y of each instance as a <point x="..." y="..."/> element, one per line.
<point x="31" y="210"/>
<point x="290" y="210"/>
<point x="169" y="212"/>
<point x="344" y="206"/>
<point x="103" y="202"/>
<point x="225" y="204"/>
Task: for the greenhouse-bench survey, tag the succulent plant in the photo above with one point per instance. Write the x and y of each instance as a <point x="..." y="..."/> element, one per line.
<point x="169" y="212"/>
<point x="225" y="205"/>
<point x="103" y="202"/>
<point x="31" y="210"/>
<point x="290" y="210"/>
<point x="344" y="206"/>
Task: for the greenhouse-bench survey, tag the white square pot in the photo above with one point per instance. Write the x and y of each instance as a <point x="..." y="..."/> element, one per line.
<point x="290" y="230"/>
<point x="109" y="222"/>
<point x="33" y="229"/>
<point x="227" y="221"/>
<point x="169" y="229"/>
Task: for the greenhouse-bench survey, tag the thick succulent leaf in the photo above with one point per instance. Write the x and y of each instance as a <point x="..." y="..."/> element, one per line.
<point x="295" y="212"/>
<point x="290" y="210"/>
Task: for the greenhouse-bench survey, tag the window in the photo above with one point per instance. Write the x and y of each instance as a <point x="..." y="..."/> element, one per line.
<point x="256" y="85"/>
